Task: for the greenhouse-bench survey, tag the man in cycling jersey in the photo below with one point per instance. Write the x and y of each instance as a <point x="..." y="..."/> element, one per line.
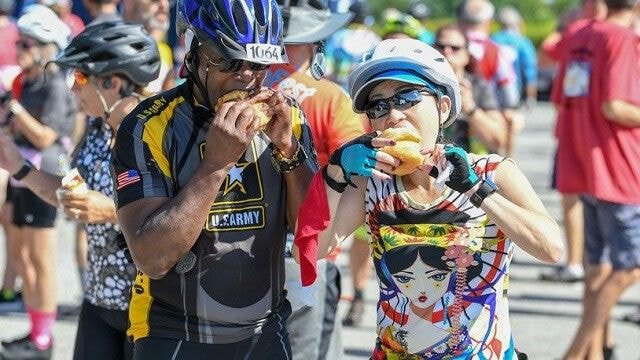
<point x="205" y="199"/>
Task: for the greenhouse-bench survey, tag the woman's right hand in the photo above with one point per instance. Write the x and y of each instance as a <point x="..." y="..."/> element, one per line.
<point x="10" y="157"/>
<point x="361" y="157"/>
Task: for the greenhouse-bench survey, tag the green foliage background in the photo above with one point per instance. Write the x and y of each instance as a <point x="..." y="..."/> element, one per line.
<point x="541" y="16"/>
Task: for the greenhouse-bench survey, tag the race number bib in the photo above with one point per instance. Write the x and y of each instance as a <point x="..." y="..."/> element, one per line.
<point x="576" y="79"/>
<point x="264" y="53"/>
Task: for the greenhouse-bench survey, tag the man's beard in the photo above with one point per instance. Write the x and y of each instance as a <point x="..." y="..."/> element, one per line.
<point x="151" y="23"/>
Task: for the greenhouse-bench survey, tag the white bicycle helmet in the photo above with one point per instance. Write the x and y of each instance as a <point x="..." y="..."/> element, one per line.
<point x="42" y="24"/>
<point x="392" y="58"/>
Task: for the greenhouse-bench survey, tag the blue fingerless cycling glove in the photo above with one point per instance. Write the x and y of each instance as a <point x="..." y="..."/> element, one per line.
<point x="356" y="157"/>
<point x="462" y="177"/>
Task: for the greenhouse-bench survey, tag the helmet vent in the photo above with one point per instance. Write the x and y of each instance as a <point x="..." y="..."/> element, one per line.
<point x="239" y="17"/>
<point x="103" y="56"/>
<point x="113" y="37"/>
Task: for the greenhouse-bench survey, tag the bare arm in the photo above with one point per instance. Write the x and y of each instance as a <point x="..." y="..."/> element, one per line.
<point x="490" y="128"/>
<point x="518" y="211"/>
<point x="347" y="213"/>
<point x="159" y="231"/>
<point x="622" y="112"/>
<point x="40" y="135"/>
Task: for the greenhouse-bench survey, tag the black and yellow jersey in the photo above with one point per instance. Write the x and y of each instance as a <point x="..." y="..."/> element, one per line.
<point x="237" y="279"/>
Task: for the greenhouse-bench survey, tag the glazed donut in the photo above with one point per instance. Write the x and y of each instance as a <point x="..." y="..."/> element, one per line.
<point x="259" y="107"/>
<point x="406" y="149"/>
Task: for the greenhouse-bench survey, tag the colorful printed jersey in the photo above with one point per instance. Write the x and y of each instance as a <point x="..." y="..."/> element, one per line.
<point x="326" y="106"/>
<point x="442" y="270"/>
<point x="231" y="282"/>
<point x="110" y="275"/>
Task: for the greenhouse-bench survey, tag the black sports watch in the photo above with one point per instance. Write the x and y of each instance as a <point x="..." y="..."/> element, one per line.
<point x="487" y="187"/>
<point x="24" y="170"/>
<point x="283" y="164"/>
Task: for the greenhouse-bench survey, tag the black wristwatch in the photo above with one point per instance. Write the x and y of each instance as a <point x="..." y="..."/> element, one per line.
<point x="24" y="170"/>
<point x="283" y="164"/>
<point x="487" y="187"/>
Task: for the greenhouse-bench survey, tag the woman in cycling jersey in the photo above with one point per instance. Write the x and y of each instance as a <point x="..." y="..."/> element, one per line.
<point x="442" y="236"/>
<point x="112" y="63"/>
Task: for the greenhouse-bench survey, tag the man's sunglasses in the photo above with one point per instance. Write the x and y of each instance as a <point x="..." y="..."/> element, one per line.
<point x="230" y="66"/>
<point x="402" y="100"/>
<point x="441" y="47"/>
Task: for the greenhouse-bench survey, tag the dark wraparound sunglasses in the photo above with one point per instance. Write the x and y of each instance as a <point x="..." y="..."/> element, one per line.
<point x="440" y="47"/>
<point x="402" y="100"/>
<point x="229" y="66"/>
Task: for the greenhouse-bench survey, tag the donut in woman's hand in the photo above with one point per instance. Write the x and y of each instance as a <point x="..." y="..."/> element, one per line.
<point x="406" y="149"/>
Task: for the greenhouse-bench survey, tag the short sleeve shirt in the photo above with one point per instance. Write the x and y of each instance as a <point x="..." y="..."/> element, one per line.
<point x="595" y="155"/>
<point x="442" y="271"/>
<point x="228" y="285"/>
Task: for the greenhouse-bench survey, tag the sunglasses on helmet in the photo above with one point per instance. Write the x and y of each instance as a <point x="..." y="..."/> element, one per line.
<point x="402" y="100"/>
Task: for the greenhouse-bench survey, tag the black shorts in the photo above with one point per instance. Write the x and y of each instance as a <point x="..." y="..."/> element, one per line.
<point x="102" y="334"/>
<point x="271" y="344"/>
<point x="30" y="210"/>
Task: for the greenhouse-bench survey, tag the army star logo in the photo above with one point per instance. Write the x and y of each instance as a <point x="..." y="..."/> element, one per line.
<point x="234" y="178"/>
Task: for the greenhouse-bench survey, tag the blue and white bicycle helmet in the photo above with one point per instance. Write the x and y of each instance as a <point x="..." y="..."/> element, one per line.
<point x="249" y="30"/>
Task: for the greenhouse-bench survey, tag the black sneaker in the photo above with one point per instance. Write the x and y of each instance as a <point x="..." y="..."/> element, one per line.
<point x="354" y="316"/>
<point x="607" y="353"/>
<point x="24" y="349"/>
<point x="563" y="274"/>
<point x="634" y="317"/>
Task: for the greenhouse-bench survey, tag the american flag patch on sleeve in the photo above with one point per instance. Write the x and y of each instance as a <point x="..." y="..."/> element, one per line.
<point x="127" y="178"/>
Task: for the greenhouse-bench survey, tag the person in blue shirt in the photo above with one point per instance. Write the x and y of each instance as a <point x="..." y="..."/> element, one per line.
<point x="525" y="60"/>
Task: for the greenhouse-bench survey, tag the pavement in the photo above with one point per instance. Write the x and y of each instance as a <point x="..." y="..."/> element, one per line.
<point x="544" y="315"/>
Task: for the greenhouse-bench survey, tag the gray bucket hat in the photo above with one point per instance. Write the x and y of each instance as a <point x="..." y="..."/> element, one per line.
<point x="310" y="21"/>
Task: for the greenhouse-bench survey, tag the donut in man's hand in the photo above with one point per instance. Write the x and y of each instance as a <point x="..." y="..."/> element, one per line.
<point x="259" y="107"/>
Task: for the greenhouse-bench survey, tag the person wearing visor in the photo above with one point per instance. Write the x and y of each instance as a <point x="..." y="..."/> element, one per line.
<point x="443" y="230"/>
<point x="206" y="192"/>
<point x="314" y="333"/>
<point x="108" y="83"/>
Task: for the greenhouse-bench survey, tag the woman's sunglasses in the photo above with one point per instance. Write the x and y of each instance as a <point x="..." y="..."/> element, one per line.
<point x="230" y="66"/>
<point x="26" y="44"/>
<point x="441" y="47"/>
<point x="402" y="100"/>
<point x="81" y="78"/>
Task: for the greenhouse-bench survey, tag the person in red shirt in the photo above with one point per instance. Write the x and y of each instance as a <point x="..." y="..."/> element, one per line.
<point x="571" y="206"/>
<point x="600" y="112"/>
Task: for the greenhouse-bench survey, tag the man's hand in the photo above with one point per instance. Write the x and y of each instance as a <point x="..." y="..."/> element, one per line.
<point x="10" y="157"/>
<point x="232" y="129"/>
<point x="279" y="130"/>
<point x="91" y="207"/>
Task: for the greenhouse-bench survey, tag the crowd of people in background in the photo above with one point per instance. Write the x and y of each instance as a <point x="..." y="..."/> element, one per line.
<point x="129" y="94"/>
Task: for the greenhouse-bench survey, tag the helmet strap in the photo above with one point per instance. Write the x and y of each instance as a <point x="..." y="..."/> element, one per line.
<point x="192" y="61"/>
<point x="318" y="63"/>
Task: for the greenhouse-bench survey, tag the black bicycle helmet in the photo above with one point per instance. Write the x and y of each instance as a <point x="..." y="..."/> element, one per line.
<point x="239" y="29"/>
<point x="114" y="48"/>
